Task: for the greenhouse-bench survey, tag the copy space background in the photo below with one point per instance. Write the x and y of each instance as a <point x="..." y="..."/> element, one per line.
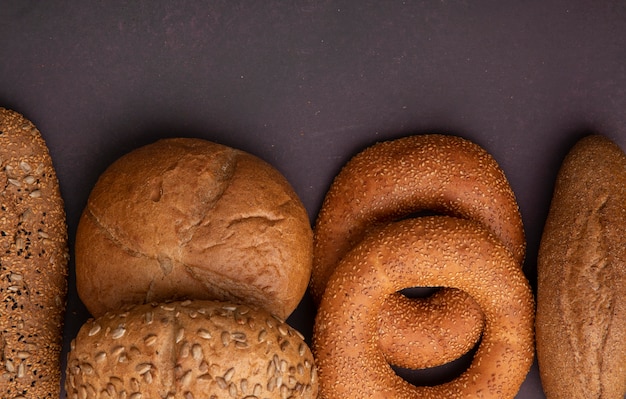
<point x="307" y="84"/>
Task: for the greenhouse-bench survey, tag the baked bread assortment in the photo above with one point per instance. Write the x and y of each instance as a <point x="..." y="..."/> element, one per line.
<point x="33" y="263"/>
<point x="188" y="218"/>
<point x="190" y="256"/>
<point x="581" y="287"/>
<point x="400" y="178"/>
<point x="364" y="258"/>
<point x="190" y="349"/>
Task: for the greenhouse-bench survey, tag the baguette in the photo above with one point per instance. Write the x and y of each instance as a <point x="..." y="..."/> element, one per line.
<point x="581" y="287"/>
<point x="33" y="263"/>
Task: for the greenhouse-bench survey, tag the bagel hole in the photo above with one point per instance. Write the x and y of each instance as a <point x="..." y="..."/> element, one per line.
<point x="419" y="292"/>
<point x="421" y="213"/>
<point x="437" y="375"/>
<point x="434" y="375"/>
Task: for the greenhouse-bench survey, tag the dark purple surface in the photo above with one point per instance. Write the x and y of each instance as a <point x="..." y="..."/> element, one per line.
<point x="307" y="84"/>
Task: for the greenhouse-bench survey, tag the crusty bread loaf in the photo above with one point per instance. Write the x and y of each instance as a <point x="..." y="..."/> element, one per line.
<point x="33" y="263"/>
<point x="190" y="349"/>
<point x="191" y="219"/>
<point x="581" y="298"/>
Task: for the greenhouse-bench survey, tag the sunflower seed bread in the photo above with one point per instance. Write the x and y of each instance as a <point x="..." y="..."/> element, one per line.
<point x="33" y="263"/>
<point x="581" y="297"/>
<point x="190" y="349"/>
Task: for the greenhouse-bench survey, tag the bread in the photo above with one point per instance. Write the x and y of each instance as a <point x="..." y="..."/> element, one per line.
<point x="191" y="349"/>
<point x="33" y="260"/>
<point x="581" y="297"/>
<point x="429" y="251"/>
<point x="405" y="177"/>
<point x="191" y="219"/>
<point x="395" y="179"/>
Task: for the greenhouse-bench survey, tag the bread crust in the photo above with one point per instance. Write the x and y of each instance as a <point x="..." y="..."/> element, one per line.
<point x="581" y="292"/>
<point x="33" y="263"/>
<point x="396" y="179"/>
<point x="188" y="218"/>
<point x="190" y="349"/>
<point x="426" y="251"/>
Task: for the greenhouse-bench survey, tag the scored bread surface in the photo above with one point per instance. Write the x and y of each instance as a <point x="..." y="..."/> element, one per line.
<point x="33" y="263"/>
<point x="191" y="219"/>
<point x="581" y="287"/>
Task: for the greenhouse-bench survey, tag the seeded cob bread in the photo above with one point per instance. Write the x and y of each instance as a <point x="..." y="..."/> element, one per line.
<point x="191" y="219"/>
<point x="33" y="263"/>
<point x="581" y="297"/>
<point x="190" y="349"/>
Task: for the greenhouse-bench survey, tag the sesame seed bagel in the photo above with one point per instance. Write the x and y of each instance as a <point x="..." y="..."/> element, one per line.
<point x="399" y="178"/>
<point x="190" y="349"/>
<point x="187" y="218"/>
<point x="33" y="263"/>
<point x="418" y="334"/>
<point x="426" y="251"/>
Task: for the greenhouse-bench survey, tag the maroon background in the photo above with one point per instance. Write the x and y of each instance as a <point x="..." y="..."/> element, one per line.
<point x="307" y="84"/>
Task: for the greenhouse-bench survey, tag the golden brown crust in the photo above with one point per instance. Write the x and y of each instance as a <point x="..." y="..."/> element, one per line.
<point x="190" y="349"/>
<point x="33" y="262"/>
<point x="405" y="325"/>
<point x="187" y="218"/>
<point x="394" y="179"/>
<point x="426" y="251"/>
<point x="581" y="287"/>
